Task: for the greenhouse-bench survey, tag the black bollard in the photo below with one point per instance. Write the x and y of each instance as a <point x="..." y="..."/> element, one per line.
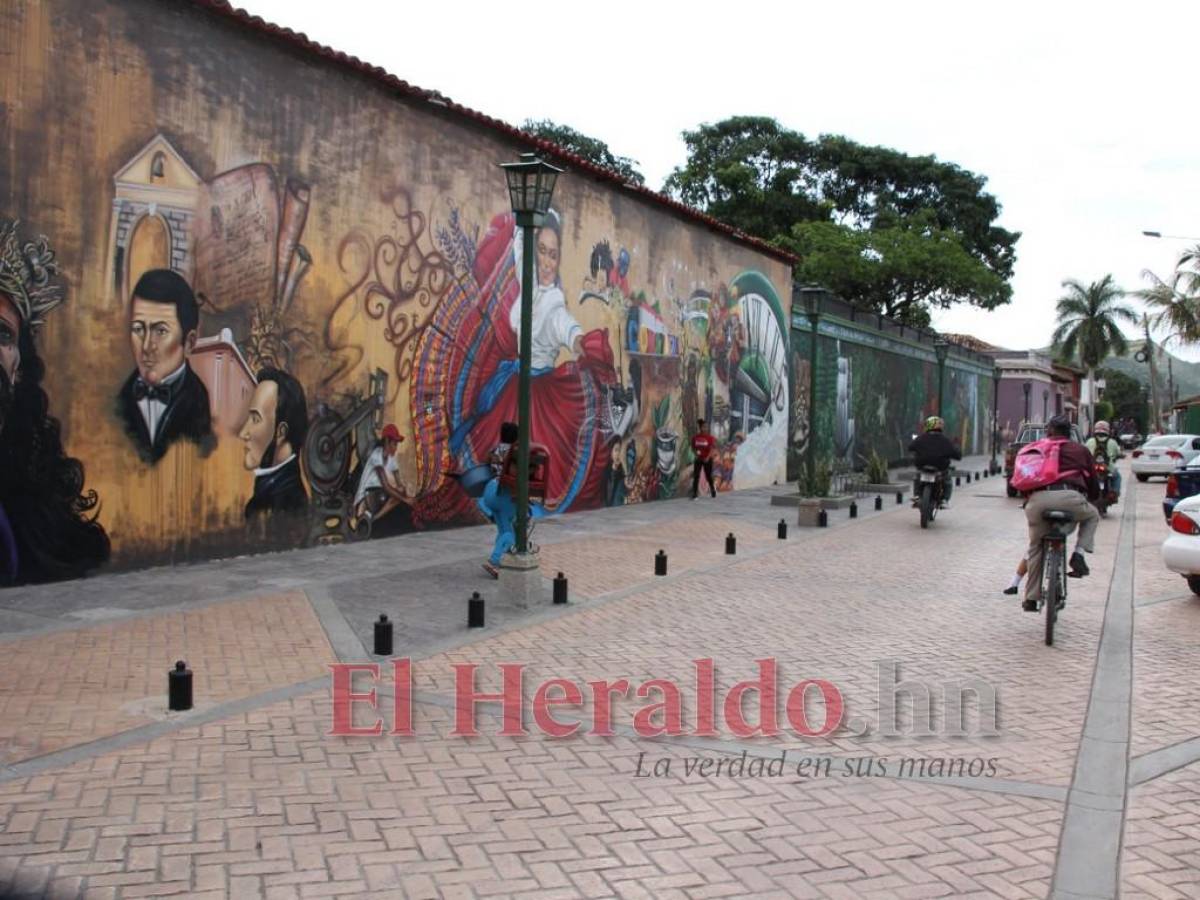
<point x="179" y="687"/>
<point x="878" y="503"/>
<point x="781" y="531"/>
<point x="976" y="476"/>
<point x="660" y="563"/>
<point x="957" y="481"/>
<point x="853" y="509"/>
<point x="823" y="519"/>
<point x="899" y="497"/>
<point x="475" y="611"/>
<point x="560" y="588"/>
<point x="730" y="544"/>
<point x="383" y="636"/>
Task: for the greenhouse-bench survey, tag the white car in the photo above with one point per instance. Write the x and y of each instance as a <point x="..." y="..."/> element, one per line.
<point x="1163" y="454"/>
<point x="1181" y="550"/>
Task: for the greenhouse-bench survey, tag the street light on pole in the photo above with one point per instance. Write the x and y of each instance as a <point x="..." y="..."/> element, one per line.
<point x="812" y="304"/>
<point x="941" y="348"/>
<point x="1174" y="237"/>
<point x="530" y="188"/>
<point x="996" y="373"/>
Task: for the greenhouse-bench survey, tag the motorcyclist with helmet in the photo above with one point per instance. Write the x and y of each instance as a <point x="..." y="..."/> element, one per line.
<point x="1101" y="441"/>
<point x="935" y="450"/>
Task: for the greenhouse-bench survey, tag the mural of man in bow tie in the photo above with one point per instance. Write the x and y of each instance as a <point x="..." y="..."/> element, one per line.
<point x="164" y="401"/>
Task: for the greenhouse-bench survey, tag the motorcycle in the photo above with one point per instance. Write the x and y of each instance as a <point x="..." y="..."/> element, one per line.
<point x="930" y="479"/>
<point x="1107" y="495"/>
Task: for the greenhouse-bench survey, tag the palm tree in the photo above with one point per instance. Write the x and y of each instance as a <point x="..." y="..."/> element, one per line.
<point x="1088" y="327"/>
<point x="1176" y="303"/>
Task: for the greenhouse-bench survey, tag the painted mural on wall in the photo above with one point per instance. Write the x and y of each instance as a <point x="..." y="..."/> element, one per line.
<point x="48" y="521"/>
<point x="277" y="335"/>
<point x="619" y="378"/>
<point x="872" y="400"/>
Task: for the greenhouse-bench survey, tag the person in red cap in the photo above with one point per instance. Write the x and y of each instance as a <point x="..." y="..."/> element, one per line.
<point x="379" y="488"/>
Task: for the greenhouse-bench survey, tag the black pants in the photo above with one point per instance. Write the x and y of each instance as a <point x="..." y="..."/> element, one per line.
<point x="706" y="465"/>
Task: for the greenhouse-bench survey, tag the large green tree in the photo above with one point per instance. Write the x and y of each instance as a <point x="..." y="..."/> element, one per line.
<point x="590" y="148"/>
<point x="1129" y="397"/>
<point x="893" y="232"/>
<point x="1089" y="326"/>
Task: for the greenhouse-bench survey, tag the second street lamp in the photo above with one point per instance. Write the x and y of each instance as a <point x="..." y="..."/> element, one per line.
<point x="530" y="188"/>
<point x="941" y="348"/>
<point x="996" y="373"/>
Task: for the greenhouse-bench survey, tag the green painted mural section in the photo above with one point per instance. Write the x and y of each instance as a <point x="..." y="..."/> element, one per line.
<point x="874" y="391"/>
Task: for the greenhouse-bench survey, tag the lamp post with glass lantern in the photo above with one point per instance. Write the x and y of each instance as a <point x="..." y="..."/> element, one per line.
<point x="941" y="348"/>
<point x="996" y="372"/>
<point x="812" y="305"/>
<point x="530" y="188"/>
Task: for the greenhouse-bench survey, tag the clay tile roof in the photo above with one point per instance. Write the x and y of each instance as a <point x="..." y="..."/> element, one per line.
<point x="226" y="10"/>
<point x="970" y="342"/>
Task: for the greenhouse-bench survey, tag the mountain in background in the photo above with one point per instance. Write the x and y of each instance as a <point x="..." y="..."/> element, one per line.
<point x="1185" y="375"/>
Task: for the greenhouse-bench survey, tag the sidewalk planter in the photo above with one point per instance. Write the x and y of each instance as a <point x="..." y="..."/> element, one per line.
<point x="889" y="487"/>
<point x="841" y="501"/>
<point x="809" y="512"/>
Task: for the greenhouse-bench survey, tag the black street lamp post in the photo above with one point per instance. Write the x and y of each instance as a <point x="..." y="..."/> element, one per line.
<point x="941" y="348"/>
<point x="996" y="372"/>
<point x="812" y="303"/>
<point x="530" y="188"/>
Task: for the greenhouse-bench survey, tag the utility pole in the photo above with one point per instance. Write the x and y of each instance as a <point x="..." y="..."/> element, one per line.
<point x="1155" y="413"/>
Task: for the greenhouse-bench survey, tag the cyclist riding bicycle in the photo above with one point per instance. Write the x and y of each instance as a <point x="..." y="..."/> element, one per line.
<point x="935" y="450"/>
<point x="1074" y="487"/>
<point x="1101" y="442"/>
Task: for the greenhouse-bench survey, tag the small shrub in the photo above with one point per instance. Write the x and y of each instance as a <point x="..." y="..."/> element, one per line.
<point x="818" y="485"/>
<point x="876" y="469"/>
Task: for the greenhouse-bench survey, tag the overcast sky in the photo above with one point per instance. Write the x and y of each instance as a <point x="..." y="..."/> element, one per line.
<point x="1080" y="115"/>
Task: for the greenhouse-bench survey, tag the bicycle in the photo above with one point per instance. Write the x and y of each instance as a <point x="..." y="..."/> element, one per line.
<point x="1054" y="566"/>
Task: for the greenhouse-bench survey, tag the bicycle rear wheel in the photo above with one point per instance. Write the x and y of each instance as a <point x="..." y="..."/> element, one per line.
<point x="1052" y="594"/>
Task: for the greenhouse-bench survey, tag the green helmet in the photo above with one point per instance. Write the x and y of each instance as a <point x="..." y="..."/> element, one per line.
<point x="934" y="423"/>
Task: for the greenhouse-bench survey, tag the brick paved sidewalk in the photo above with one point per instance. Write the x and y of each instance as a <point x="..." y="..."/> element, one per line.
<point x="254" y="799"/>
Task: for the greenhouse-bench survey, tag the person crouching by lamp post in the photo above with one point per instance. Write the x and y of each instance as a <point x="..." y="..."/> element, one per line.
<point x="497" y="504"/>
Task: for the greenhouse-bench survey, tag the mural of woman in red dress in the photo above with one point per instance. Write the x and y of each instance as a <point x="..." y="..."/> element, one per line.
<point x="472" y="361"/>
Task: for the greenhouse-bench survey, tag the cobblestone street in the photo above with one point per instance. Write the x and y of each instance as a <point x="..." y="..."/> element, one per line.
<point x="1086" y="784"/>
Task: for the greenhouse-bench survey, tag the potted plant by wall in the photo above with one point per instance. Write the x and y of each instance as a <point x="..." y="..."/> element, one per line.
<point x="878" y="476"/>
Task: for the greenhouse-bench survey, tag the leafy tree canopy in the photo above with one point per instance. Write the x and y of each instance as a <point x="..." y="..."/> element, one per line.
<point x="897" y="233"/>
<point x="1129" y="397"/>
<point x="591" y="149"/>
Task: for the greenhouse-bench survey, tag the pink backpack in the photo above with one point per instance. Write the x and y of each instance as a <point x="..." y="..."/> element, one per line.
<point x="1037" y="465"/>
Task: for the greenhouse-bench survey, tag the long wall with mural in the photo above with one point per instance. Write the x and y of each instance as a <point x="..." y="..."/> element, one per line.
<point x="251" y="298"/>
<point x="874" y="391"/>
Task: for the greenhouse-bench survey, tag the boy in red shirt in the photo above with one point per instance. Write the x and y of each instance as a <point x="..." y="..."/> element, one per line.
<point x="703" y="445"/>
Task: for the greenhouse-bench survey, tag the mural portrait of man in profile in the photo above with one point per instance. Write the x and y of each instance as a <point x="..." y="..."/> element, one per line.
<point x="163" y="400"/>
<point x="273" y="434"/>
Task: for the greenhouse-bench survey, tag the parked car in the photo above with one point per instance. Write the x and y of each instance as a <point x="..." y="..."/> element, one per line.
<point x="1163" y="454"/>
<point x="1128" y="441"/>
<point x="1181" y="484"/>
<point x="1181" y="549"/>
<point x="1030" y="432"/>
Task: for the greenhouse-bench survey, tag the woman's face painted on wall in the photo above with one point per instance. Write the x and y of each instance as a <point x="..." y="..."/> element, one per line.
<point x="10" y="331"/>
<point x="547" y="257"/>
